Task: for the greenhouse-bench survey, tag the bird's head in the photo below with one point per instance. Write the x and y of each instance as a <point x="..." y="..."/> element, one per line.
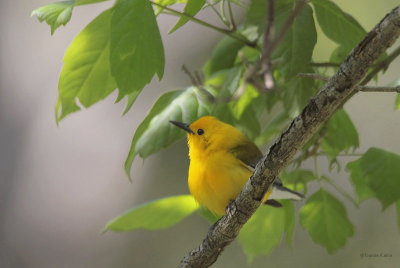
<point x="208" y="133"/>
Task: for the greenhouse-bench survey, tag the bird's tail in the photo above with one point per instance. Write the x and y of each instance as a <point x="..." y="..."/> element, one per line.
<point x="281" y="192"/>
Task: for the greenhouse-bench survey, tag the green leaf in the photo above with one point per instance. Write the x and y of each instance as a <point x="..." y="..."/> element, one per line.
<point x="223" y="56"/>
<point x="398" y="213"/>
<point x="337" y="25"/>
<point x="137" y="52"/>
<point x="223" y="84"/>
<point x="86" y="72"/>
<point x="155" y="131"/>
<point x="340" y="134"/>
<point x="359" y="181"/>
<point x="297" y="179"/>
<point x="273" y="128"/>
<point x="288" y="207"/>
<point x="232" y="81"/>
<point x="165" y="3"/>
<point x="295" y="52"/>
<point x="55" y="14"/>
<point x="265" y="230"/>
<point x="155" y="215"/>
<point x="248" y="123"/>
<point x="87" y="2"/>
<point x="379" y="171"/>
<point x="397" y="104"/>
<point x="206" y="213"/>
<point x="256" y="12"/>
<point x="192" y="8"/>
<point x="325" y="218"/>
<point x="246" y="99"/>
<point x="298" y="91"/>
<point x="339" y="54"/>
<point x="131" y="100"/>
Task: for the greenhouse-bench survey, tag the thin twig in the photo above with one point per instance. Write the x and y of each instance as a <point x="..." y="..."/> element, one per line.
<point x="340" y="190"/>
<point x="193" y="78"/>
<point x="264" y="67"/>
<point x="314" y="76"/>
<point x="233" y="34"/>
<point x="359" y="88"/>
<point x="325" y="64"/>
<point x="379" y="89"/>
<point x="198" y="76"/>
<point x="265" y="61"/>
<point x="231" y="18"/>
<point x="380" y="66"/>
<point x="224" y="21"/>
<point x="197" y="83"/>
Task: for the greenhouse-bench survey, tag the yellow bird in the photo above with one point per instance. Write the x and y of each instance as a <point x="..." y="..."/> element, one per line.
<point x="222" y="159"/>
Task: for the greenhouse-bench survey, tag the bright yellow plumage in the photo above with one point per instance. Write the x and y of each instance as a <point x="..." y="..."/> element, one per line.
<point x="220" y="162"/>
<point x="216" y="176"/>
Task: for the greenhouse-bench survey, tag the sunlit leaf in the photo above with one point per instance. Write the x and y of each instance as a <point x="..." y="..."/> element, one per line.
<point x="130" y="101"/>
<point x="59" y="13"/>
<point x="155" y="215"/>
<point x="164" y="3"/>
<point x="397" y="103"/>
<point x="265" y="229"/>
<point x="325" y="218"/>
<point x="86" y="72"/>
<point x="155" y="131"/>
<point x="239" y="107"/>
<point x="224" y="83"/>
<point x="377" y="172"/>
<point x="137" y="52"/>
<point x="87" y="2"/>
<point x="192" y="8"/>
<point x="340" y="134"/>
<point x="55" y="14"/>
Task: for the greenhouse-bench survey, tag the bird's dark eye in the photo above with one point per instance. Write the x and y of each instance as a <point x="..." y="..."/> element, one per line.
<point x="200" y="131"/>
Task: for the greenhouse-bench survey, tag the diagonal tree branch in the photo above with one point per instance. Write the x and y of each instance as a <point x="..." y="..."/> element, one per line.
<point x="319" y="109"/>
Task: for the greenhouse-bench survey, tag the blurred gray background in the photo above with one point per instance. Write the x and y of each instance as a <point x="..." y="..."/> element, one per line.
<point x="60" y="185"/>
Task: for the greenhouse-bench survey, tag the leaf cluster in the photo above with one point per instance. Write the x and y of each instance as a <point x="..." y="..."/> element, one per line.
<point x="122" y="49"/>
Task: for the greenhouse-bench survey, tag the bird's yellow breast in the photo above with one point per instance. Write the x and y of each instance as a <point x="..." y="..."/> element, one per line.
<point x="216" y="178"/>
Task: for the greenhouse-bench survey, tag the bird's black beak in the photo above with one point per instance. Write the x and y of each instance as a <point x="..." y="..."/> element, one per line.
<point x="183" y="126"/>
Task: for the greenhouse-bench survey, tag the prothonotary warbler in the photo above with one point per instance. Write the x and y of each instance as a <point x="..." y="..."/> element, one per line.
<point x="222" y="159"/>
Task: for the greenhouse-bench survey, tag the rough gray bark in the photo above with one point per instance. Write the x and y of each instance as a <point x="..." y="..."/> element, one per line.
<point x="319" y="109"/>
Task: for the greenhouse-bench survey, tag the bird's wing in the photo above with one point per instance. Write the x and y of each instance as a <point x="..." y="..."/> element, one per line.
<point x="248" y="153"/>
